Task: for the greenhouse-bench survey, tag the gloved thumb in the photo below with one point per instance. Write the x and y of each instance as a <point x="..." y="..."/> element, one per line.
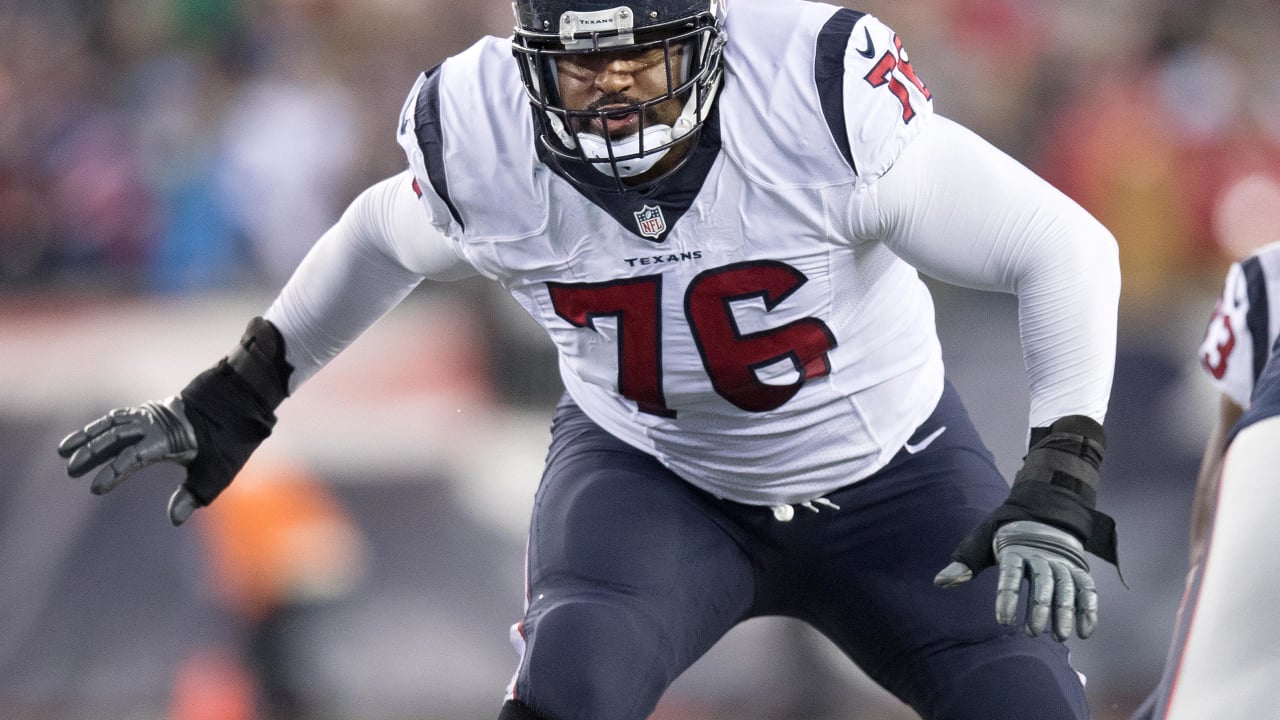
<point x="970" y="557"/>
<point x="181" y="504"/>
<point x="957" y="573"/>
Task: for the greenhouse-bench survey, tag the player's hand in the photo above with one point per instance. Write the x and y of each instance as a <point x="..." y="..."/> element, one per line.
<point x="1042" y="531"/>
<point x="1053" y="562"/>
<point x="211" y="427"/>
<point x="126" y="440"/>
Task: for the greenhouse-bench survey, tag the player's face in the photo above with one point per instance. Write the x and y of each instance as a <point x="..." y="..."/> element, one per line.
<point x="617" y="80"/>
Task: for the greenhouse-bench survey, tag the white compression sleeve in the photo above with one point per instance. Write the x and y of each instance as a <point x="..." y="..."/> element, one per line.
<point x="962" y="211"/>
<point x="362" y="267"/>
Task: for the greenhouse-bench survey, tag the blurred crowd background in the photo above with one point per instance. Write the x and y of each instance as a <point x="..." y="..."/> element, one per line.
<point x="164" y="164"/>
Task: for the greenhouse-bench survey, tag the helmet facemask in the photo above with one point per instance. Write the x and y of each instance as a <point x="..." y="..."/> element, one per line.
<point x="688" y="49"/>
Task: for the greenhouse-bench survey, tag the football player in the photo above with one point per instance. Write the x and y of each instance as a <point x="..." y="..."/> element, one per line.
<point x="1243" y="327"/>
<point x="1225" y="652"/>
<point x="718" y="215"/>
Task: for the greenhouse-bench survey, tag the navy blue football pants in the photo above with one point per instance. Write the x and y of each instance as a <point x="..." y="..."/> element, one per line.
<point x="633" y="574"/>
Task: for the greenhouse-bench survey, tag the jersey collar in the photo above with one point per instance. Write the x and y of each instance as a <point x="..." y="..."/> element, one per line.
<point x="652" y="212"/>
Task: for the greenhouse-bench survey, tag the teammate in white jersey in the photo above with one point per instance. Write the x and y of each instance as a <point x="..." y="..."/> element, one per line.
<point x="1237" y="343"/>
<point x="1224" y="657"/>
<point x="718" y="218"/>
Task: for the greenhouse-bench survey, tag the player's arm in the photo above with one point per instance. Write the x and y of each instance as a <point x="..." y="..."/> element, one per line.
<point x="962" y="211"/>
<point x="382" y="248"/>
<point x="1202" y="505"/>
<point x="1227" y="355"/>
<point x="362" y="267"/>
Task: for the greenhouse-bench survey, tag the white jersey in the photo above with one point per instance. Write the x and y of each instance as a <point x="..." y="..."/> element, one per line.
<point x="753" y="322"/>
<point x="1244" y="324"/>
<point x="1224" y="660"/>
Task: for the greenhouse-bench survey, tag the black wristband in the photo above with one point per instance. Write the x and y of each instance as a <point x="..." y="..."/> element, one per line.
<point x="229" y="423"/>
<point x="1081" y="425"/>
<point x="1058" y="484"/>
<point x="259" y="359"/>
<point x="231" y="407"/>
<point x="1067" y="455"/>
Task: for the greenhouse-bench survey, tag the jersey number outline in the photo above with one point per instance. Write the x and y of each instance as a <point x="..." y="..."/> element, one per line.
<point x="729" y="356"/>
<point x="1224" y="348"/>
<point x="882" y="74"/>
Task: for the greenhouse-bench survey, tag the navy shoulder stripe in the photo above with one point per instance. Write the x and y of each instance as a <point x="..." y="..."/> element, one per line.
<point x="828" y="74"/>
<point x="431" y="138"/>
<point x="1258" y="319"/>
<point x="1264" y="401"/>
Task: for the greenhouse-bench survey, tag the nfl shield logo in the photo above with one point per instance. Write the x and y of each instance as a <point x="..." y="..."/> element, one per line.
<point x="651" y="222"/>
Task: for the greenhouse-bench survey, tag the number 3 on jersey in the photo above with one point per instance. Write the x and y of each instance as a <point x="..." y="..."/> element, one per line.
<point x="730" y="357"/>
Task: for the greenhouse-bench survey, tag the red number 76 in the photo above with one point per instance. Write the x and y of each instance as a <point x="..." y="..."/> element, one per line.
<point x="730" y="356"/>
<point x="882" y="74"/>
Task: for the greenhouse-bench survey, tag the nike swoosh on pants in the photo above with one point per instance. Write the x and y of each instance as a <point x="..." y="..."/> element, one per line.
<point x="914" y="448"/>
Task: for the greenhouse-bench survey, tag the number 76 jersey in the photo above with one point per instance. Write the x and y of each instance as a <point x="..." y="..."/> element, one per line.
<point x="735" y="321"/>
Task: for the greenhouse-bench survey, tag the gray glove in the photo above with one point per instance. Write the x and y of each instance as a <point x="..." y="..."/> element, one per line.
<point x="129" y="439"/>
<point x="1059" y="580"/>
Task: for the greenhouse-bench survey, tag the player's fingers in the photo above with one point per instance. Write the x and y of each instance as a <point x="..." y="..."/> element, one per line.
<point x="72" y="442"/>
<point x="78" y="446"/>
<point x="115" y="418"/>
<point x="956" y="573"/>
<point x="116" y="472"/>
<point x="1086" y="602"/>
<point x="1039" y="595"/>
<point x="181" y="504"/>
<point x="78" y="439"/>
<point x="1064" y="601"/>
<point x="1007" y="587"/>
<point x="101" y="447"/>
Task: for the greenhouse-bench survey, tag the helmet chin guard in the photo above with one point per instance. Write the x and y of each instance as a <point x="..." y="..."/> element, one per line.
<point x="688" y="29"/>
<point x="601" y="152"/>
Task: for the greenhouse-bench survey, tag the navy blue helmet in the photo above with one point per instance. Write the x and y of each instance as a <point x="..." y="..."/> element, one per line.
<point x="689" y="32"/>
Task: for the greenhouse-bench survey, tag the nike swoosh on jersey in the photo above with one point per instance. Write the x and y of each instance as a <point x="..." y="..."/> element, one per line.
<point x="914" y="448"/>
<point x="870" y="52"/>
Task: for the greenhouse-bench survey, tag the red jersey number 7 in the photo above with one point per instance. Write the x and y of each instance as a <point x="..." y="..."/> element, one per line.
<point x="882" y="74"/>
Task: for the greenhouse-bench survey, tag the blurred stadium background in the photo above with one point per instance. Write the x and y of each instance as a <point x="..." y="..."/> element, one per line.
<point x="165" y="163"/>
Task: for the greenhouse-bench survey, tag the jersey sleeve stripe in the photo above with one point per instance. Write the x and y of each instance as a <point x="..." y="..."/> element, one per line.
<point x="828" y="74"/>
<point x="430" y="134"/>
<point x="1258" y="317"/>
